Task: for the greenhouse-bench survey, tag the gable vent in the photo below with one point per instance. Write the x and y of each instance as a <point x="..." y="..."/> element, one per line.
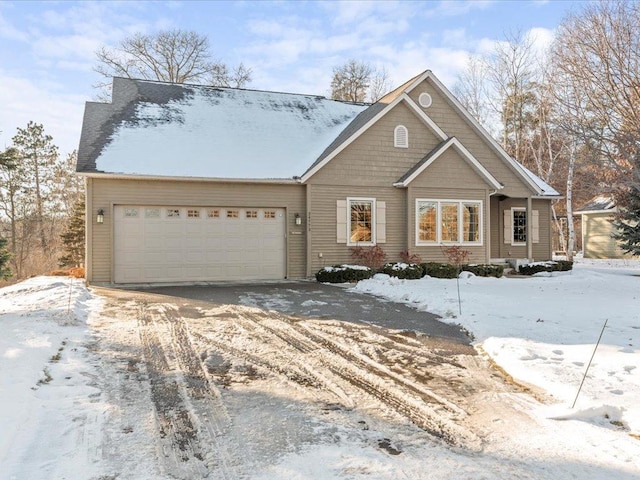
<point x="401" y="137"/>
<point x="424" y="100"/>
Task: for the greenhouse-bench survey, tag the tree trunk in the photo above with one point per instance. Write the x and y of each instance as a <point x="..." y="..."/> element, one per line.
<point x="572" y="234"/>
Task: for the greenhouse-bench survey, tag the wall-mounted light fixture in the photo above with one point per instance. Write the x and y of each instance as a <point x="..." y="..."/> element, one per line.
<point x="100" y="216"/>
<point x="298" y="219"/>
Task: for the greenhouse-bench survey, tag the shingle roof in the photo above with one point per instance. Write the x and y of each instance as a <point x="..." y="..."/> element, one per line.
<point x="598" y="203"/>
<point x="424" y="160"/>
<point x="156" y="128"/>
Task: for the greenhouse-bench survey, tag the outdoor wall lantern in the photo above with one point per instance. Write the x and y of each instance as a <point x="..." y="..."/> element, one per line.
<point x="298" y="219"/>
<point x="100" y="217"/>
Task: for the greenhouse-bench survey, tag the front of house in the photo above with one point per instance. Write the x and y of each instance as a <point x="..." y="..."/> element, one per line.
<point x="199" y="183"/>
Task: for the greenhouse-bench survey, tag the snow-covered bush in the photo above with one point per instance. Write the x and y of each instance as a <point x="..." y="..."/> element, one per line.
<point x="484" y="270"/>
<point x="440" y="270"/>
<point x="409" y="271"/>
<point x="537" y="267"/>
<point x="343" y="273"/>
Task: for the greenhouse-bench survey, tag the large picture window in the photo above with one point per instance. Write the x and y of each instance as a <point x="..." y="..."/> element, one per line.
<point x="361" y="221"/>
<point x="448" y="221"/>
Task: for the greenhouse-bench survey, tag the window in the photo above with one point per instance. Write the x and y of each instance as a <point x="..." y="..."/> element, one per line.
<point x="424" y="100"/>
<point x="152" y="212"/>
<point x="269" y="214"/>
<point x="401" y="137"/>
<point x="232" y="213"/>
<point x="193" y="213"/>
<point x="173" y="212"/>
<point x="519" y="222"/>
<point x="448" y="221"/>
<point x="427" y="222"/>
<point x="251" y="214"/>
<point x="130" y="212"/>
<point x="214" y="213"/>
<point x="361" y="220"/>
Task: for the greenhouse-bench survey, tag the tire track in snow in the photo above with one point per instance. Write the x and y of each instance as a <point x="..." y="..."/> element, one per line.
<point x="188" y="425"/>
<point x="423" y="407"/>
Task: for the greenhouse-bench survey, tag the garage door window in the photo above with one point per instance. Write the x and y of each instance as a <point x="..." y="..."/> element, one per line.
<point x="173" y="212"/>
<point x="252" y="214"/>
<point x="213" y="214"/>
<point x="232" y="213"/>
<point x="130" y="212"/>
<point x="152" y="212"/>
<point x="269" y="214"/>
<point x="193" y="213"/>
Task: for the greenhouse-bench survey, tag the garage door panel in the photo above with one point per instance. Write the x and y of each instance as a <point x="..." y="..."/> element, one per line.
<point x="165" y="244"/>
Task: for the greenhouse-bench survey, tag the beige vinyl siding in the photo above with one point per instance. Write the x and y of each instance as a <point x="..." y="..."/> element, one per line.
<point x="454" y="125"/>
<point x="542" y="249"/>
<point x="373" y="160"/>
<point x="105" y="193"/>
<point x="323" y="223"/>
<point x="596" y="237"/>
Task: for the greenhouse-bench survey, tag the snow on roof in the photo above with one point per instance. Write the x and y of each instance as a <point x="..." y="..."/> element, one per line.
<point x="547" y="190"/>
<point x="210" y="132"/>
<point x="598" y="203"/>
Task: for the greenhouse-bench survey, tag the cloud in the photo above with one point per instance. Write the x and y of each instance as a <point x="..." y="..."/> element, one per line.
<point x="61" y="114"/>
<point x="9" y="32"/>
<point x="451" y="8"/>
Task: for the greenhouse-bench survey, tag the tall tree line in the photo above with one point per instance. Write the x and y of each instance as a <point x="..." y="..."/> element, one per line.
<point x="38" y="192"/>
<point x="570" y="113"/>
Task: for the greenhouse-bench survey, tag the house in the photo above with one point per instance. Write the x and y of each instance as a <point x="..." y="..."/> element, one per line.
<point x="189" y="183"/>
<point x="597" y="228"/>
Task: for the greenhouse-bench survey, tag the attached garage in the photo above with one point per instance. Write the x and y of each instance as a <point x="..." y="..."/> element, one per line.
<point x="196" y="243"/>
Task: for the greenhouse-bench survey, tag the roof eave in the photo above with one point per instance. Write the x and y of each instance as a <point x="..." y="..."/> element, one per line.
<point x="136" y="176"/>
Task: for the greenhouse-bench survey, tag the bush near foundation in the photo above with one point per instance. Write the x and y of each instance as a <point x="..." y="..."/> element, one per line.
<point x="484" y="270"/>
<point x="537" y="267"/>
<point x="343" y="274"/>
<point x="440" y="270"/>
<point x="411" y="271"/>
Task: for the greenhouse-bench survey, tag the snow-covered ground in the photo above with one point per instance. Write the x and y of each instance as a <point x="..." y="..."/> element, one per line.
<point x="78" y="397"/>
<point x="542" y="330"/>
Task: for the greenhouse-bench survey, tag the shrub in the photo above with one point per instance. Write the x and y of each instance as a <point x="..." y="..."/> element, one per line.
<point x="409" y="271"/>
<point x="440" y="270"/>
<point x="484" y="270"/>
<point x="408" y="257"/>
<point x="456" y="254"/>
<point x="564" y="265"/>
<point x="533" y="268"/>
<point x="343" y="273"/>
<point x="373" y="257"/>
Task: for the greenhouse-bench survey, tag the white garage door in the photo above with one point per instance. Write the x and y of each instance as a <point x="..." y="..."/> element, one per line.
<point x="182" y="244"/>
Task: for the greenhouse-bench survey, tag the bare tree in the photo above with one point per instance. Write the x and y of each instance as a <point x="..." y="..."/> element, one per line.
<point x="176" y="56"/>
<point x="471" y="89"/>
<point x="380" y="84"/>
<point x="351" y="81"/>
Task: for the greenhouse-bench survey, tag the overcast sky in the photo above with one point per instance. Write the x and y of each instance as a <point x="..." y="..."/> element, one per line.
<point x="47" y="49"/>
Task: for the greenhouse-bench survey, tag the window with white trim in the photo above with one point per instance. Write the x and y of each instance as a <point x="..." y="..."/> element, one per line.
<point x="361" y="221"/>
<point x="424" y="100"/>
<point x="448" y="221"/>
<point x="519" y="226"/>
<point x="401" y="137"/>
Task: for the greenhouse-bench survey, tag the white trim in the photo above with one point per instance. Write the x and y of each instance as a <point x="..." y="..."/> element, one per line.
<point x="453" y="141"/>
<point x="438" y="240"/>
<point x="513" y="226"/>
<point x="401" y="140"/>
<point x="373" y="221"/>
<point x="592" y="212"/>
<point x="136" y="176"/>
<point x="501" y="152"/>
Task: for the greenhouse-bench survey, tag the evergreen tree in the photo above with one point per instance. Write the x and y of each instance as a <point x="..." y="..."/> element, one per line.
<point x="5" y="256"/>
<point x="628" y="222"/>
<point x="73" y="238"/>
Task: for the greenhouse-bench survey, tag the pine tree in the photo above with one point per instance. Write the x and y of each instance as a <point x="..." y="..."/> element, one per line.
<point x="627" y="222"/>
<point x="5" y="256"/>
<point x="73" y="238"/>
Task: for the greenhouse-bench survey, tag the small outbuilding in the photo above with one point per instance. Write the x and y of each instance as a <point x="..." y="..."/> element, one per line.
<point x="598" y="229"/>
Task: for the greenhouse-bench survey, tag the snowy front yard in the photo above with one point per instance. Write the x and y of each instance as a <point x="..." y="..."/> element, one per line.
<point x="118" y="385"/>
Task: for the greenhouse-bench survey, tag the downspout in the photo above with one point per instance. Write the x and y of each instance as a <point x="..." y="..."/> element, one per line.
<point x="529" y="229"/>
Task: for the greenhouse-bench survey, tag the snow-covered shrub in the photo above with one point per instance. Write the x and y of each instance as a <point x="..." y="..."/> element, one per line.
<point x="409" y="271"/>
<point x="343" y="273"/>
<point x="537" y="267"/>
<point x="484" y="270"/>
<point x="440" y="270"/>
<point x="373" y="257"/>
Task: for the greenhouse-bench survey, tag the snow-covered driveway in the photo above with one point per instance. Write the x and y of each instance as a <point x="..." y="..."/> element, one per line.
<point x="160" y="387"/>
